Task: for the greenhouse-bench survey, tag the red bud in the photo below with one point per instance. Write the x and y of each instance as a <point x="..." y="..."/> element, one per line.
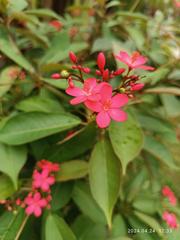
<point x="106" y="75"/>
<point x="55" y="76"/>
<point x="101" y="61"/>
<point x="73" y="57"/>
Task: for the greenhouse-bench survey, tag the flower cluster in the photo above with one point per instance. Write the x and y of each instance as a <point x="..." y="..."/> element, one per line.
<point x="170" y="218"/>
<point x="40" y="195"/>
<point x="97" y="93"/>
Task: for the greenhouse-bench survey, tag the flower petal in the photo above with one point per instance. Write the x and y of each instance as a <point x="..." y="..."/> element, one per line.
<point x="119" y="100"/>
<point x="37" y="211"/>
<point x="106" y="92"/>
<point x="117" y="115"/>
<point x="93" y="106"/>
<point x="124" y="57"/>
<point x="74" y="91"/>
<point x="78" y="100"/>
<point x="103" y="119"/>
<point x="89" y="83"/>
<point x="148" y="68"/>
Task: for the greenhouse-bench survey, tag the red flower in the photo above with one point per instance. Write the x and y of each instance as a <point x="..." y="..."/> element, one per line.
<point x="101" y="61"/>
<point x="108" y="107"/>
<point x="167" y="192"/>
<point x="56" y="24"/>
<point x="134" y="61"/>
<point x="47" y="165"/>
<point x="73" y="57"/>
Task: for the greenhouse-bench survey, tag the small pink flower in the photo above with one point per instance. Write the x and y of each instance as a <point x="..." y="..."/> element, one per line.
<point x="49" y="166"/>
<point x="134" y="61"/>
<point x="35" y="204"/>
<point x="90" y="91"/>
<point x="167" y="192"/>
<point x="42" y="180"/>
<point x="170" y="219"/>
<point x="108" y="107"/>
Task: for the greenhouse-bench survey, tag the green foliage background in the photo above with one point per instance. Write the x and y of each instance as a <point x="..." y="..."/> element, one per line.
<point x="111" y="183"/>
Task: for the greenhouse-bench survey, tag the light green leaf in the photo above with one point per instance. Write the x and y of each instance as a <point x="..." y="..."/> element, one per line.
<point x="12" y="160"/>
<point x="57" y="229"/>
<point x="104" y="176"/>
<point x="44" y="12"/>
<point x="39" y="104"/>
<point x="119" y="227"/>
<point x="171" y="105"/>
<point x="86" y="203"/>
<point x="17" y="6"/>
<point x="11" y="223"/>
<point x="9" y="48"/>
<point x="72" y="170"/>
<point x="6" y="187"/>
<point x="126" y="139"/>
<point x="27" y="127"/>
<point x="161" y="152"/>
<point x="7" y="78"/>
<point x="150" y="221"/>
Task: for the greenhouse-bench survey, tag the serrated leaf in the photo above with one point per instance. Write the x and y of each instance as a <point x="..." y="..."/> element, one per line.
<point x="27" y="127"/>
<point x="126" y="139"/>
<point x="104" y="177"/>
<point x="72" y="170"/>
<point x="12" y="160"/>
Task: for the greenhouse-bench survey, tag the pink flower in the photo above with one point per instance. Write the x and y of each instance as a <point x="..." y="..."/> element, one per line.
<point x="90" y="91"/>
<point x="170" y="219"/>
<point x="108" y="107"/>
<point x="42" y="180"/>
<point x="134" y="61"/>
<point x="49" y="166"/>
<point x="35" y="204"/>
<point x="167" y="192"/>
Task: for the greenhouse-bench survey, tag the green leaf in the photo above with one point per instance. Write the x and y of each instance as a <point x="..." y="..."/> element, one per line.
<point x="7" y="78"/>
<point x="44" y="12"/>
<point x="60" y="48"/>
<point x="119" y="227"/>
<point x="171" y="105"/>
<point x="126" y="139"/>
<point x="12" y="160"/>
<point x="61" y="191"/>
<point x="11" y="223"/>
<point x="17" y="6"/>
<point x="9" y="48"/>
<point x="88" y="206"/>
<point x="161" y="152"/>
<point x="150" y="221"/>
<point x="57" y="229"/>
<point x="137" y="36"/>
<point x="6" y="187"/>
<point x="72" y="170"/>
<point x="86" y="229"/>
<point x="27" y="127"/>
<point x="146" y="205"/>
<point x="39" y="104"/>
<point x="156" y="76"/>
<point x="104" y="176"/>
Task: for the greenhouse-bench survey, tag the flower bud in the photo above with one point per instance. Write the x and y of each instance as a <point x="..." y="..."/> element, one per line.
<point x="101" y="61"/>
<point x="55" y="76"/>
<point x="64" y="74"/>
<point x="73" y="57"/>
